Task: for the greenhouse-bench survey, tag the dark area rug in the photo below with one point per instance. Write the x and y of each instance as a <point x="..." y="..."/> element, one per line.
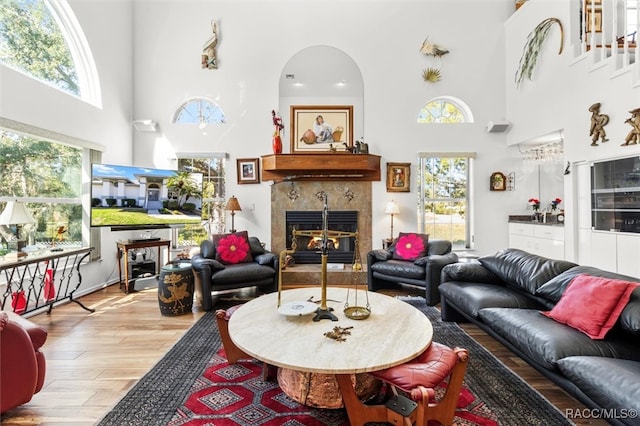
<point x="193" y="385"/>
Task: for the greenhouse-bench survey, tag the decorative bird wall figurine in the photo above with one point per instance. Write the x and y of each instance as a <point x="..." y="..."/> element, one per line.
<point x="432" y="49"/>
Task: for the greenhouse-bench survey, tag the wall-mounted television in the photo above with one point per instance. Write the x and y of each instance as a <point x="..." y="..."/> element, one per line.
<point x="129" y="197"/>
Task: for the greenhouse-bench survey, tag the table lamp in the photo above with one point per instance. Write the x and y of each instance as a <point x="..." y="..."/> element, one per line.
<point x="392" y="208"/>
<point x="15" y="213"/>
<point x="234" y="206"/>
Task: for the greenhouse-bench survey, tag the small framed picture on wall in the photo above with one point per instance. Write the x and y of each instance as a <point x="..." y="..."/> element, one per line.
<point x="248" y="170"/>
<point x="398" y="177"/>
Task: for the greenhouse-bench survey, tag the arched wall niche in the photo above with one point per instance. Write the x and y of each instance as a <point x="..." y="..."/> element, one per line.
<point x="321" y="75"/>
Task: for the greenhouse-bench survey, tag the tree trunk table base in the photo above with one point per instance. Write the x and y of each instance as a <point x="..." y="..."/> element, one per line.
<point x="321" y="390"/>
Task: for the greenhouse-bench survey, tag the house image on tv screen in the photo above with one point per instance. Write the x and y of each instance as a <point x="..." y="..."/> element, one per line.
<point x="127" y="195"/>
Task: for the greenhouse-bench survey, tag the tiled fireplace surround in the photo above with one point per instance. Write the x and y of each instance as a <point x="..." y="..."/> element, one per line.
<point x="305" y="196"/>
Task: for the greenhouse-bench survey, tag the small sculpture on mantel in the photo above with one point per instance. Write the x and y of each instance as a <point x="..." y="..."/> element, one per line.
<point x="209" y="59"/>
<point x="598" y="121"/>
<point x="633" y="137"/>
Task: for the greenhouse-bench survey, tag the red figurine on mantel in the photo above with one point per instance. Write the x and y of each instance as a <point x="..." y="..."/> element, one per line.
<point x="277" y="140"/>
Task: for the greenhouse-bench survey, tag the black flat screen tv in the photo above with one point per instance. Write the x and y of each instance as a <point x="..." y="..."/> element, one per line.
<point x="129" y="197"/>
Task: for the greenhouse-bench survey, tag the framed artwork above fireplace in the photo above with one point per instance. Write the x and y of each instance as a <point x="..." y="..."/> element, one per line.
<point x="321" y="128"/>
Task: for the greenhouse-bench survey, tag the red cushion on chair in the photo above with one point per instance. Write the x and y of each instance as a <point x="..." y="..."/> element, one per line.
<point x="429" y="369"/>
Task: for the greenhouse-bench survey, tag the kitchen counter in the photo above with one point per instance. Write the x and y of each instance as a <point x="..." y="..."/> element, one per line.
<point x="551" y="220"/>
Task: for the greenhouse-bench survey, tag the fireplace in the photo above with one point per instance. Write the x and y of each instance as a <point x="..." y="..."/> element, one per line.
<point x="308" y="249"/>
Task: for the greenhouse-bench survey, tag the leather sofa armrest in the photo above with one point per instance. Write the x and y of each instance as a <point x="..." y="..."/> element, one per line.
<point x="379" y="255"/>
<point x="201" y="264"/>
<point x="266" y="258"/>
<point x="442" y="259"/>
<point x="469" y="272"/>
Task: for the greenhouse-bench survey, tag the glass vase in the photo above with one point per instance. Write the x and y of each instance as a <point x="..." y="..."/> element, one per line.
<point x="277" y="144"/>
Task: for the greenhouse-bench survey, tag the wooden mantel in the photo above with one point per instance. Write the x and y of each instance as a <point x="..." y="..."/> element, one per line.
<point x="321" y="166"/>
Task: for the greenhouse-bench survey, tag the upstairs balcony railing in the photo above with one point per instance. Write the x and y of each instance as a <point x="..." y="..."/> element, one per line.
<point x="610" y="28"/>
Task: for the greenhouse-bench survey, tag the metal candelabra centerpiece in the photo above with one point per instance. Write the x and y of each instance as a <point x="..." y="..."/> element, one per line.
<point x="323" y="312"/>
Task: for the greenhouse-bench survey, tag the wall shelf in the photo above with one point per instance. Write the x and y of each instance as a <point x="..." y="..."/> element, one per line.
<point x="321" y="166"/>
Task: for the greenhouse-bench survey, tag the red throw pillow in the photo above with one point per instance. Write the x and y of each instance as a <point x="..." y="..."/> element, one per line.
<point x="232" y="248"/>
<point x="592" y="304"/>
<point x="410" y="246"/>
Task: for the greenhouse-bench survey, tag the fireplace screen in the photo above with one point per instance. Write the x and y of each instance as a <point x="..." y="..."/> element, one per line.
<point x="308" y="249"/>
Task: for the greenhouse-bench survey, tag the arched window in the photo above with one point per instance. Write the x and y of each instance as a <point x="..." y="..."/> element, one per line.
<point x="199" y="111"/>
<point x="44" y="40"/>
<point x="445" y="109"/>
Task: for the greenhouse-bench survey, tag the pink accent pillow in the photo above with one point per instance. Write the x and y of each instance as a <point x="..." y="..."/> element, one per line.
<point x="233" y="248"/>
<point x="410" y="246"/>
<point x="592" y="305"/>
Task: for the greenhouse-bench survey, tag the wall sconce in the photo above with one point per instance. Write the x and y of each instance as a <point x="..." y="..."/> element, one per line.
<point x="234" y="206"/>
<point x="392" y="208"/>
<point x="145" y="125"/>
<point x="15" y="213"/>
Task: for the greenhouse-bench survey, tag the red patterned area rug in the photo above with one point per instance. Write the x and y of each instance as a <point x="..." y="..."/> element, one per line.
<point x="237" y="395"/>
<point x="194" y="385"/>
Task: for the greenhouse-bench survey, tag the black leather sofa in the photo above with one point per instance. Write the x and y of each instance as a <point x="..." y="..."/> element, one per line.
<point x="211" y="276"/>
<point x="383" y="271"/>
<point x="504" y="294"/>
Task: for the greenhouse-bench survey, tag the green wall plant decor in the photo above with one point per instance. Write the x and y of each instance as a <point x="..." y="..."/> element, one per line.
<point x="532" y="48"/>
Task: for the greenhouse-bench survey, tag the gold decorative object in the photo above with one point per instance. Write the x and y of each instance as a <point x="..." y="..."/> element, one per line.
<point x="633" y="137"/>
<point x="598" y="121"/>
<point x="325" y="235"/>
<point x="356" y="312"/>
<point x="431" y="75"/>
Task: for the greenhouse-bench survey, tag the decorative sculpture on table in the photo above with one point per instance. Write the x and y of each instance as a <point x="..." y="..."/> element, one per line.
<point x="324" y="312"/>
<point x="209" y="59"/>
<point x="633" y="137"/>
<point x="598" y="121"/>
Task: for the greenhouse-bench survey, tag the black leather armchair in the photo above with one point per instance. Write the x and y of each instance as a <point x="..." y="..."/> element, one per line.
<point x="383" y="270"/>
<point x="212" y="276"/>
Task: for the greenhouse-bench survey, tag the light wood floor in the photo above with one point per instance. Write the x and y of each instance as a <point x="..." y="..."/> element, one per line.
<point x="94" y="359"/>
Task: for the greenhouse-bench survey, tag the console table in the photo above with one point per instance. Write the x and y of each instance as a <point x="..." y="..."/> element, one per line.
<point x="123" y="253"/>
<point x="41" y="279"/>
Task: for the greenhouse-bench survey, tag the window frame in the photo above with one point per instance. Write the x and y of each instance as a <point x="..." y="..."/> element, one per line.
<point x="423" y="157"/>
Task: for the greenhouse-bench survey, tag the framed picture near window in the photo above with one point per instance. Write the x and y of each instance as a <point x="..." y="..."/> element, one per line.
<point x="321" y="128"/>
<point x="248" y="170"/>
<point x="398" y="177"/>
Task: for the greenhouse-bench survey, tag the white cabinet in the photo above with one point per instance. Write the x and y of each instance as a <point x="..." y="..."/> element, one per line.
<point x="615" y="252"/>
<point x="543" y="240"/>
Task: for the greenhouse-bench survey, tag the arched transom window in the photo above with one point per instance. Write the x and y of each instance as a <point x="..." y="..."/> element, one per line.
<point x="445" y="109"/>
<point x="200" y="111"/>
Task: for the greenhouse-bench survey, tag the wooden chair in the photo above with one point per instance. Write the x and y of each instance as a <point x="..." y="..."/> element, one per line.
<point x="234" y="353"/>
<point x="418" y="379"/>
<point x="420" y="376"/>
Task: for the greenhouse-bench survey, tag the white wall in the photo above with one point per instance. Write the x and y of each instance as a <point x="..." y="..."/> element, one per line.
<point x="563" y="88"/>
<point x="148" y="57"/>
<point x="383" y="37"/>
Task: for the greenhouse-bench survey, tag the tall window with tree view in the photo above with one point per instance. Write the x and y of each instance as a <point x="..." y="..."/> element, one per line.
<point x="444" y="202"/>
<point x="213" y="194"/>
<point x="48" y="178"/>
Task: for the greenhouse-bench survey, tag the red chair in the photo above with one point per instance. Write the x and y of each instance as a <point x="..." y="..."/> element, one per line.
<point x="417" y="379"/>
<point x="22" y="364"/>
<point x="420" y="376"/>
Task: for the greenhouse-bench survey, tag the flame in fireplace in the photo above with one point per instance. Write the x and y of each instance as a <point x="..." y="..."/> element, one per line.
<point x="315" y="243"/>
